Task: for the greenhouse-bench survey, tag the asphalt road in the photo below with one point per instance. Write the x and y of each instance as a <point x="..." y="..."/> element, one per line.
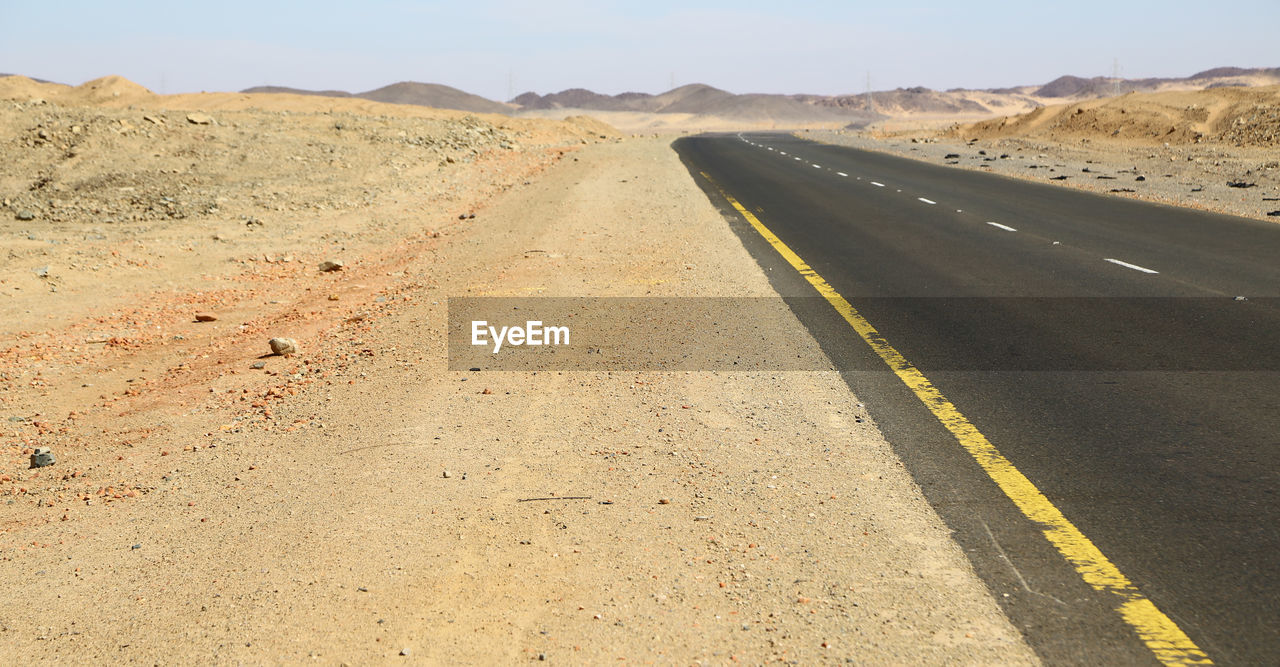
<point x="1097" y="342"/>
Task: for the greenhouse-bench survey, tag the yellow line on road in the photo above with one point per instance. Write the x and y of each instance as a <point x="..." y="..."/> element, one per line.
<point x="1161" y="635"/>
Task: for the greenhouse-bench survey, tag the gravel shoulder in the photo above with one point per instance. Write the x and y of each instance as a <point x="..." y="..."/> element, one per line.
<point x="303" y="510"/>
<point x="1191" y="175"/>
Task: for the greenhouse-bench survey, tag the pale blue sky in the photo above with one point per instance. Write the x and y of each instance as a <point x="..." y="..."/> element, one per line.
<point x="611" y="47"/>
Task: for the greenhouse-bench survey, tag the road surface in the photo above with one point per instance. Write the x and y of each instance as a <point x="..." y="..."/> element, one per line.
<point x="1123" y="357"/>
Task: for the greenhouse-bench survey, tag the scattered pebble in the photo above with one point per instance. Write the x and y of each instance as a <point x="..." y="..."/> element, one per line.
<point x="331" y="265"/>
<point x="206" y="317"/>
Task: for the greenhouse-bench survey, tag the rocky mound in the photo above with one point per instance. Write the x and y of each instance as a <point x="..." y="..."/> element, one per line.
<point x="1074" y="86"/>
<point x="580" y="98"/>
<point x="1228" y="115"/>
<point x="903" y="101"/>
<point x="433" y="95"/>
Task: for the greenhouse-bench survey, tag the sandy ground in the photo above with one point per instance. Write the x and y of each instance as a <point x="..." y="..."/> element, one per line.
<point x="202" y="509"/>
<point x="1210" y="149"/>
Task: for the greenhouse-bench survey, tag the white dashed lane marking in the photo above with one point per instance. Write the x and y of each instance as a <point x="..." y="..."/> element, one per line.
<point x="1127" y="265"/>
<point x="997" y="225"/>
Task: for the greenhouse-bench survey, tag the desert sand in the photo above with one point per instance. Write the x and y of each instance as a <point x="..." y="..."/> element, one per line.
<point x="357" y="501"/>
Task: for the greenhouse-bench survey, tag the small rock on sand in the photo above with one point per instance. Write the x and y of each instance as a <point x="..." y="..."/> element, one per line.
<point x="332" y="265"/>
<point x="200" y="119"/>
<point x="26" y="215"/>
<point x="206" y="317"/>
<point x="283" y="345"/>
<point x="43" y="456"/>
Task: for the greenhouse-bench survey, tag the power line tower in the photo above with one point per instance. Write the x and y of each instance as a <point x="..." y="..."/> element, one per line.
<point x="511" y="84"/>
<point x="673" y="81"/>
<point x="870" y="106"/>
<point x="1115" y="77"/>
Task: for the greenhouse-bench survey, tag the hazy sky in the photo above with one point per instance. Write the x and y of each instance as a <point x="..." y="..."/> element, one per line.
<point x="549" y="45"/>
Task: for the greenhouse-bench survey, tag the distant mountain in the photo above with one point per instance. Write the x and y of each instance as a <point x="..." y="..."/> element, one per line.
<point x="1073" y="86"/>
<point x="703" y="100"/>
<point x="1101" y="86"/>
<point x="1220" y="72"/>
<point x="433" y="95"/>
<point x="30" y="77"/>
<point x="903" y="100"/>
<point x="579" y="98"/>
<point x="406" y="92"/>
<point x="296" y="91"/>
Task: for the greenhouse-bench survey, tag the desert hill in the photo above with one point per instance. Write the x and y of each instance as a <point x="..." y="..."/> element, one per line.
<point x="701" y="100"/>
<point x="1232" y="115"/>
<point x="297" y="91"/>
<point x="117" y="93"/>
<point x="1099" y="86"/>
<point x="706" y="107"/>
<point x="432" y="95"/>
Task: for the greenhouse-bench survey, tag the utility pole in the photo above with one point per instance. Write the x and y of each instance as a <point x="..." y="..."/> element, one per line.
<point x="870" y="106"/>
<point x="1115" y="75"/>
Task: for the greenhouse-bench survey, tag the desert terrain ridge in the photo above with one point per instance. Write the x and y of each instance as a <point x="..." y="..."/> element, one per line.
<point x="1241" y="117"/>
<point x="702" y="107"/>
<point x="356" y="501"/>
<point x="1213" y="149"/>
